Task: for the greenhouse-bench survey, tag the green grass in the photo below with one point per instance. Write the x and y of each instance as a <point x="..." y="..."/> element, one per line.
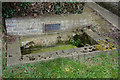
<point x="100" y="66"/>
<point x="49" y="49"/>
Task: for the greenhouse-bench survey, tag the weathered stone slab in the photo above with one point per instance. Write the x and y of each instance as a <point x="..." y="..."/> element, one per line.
<point x="109" y="16"/>
<point x="92" y="35"/>
<point x="13" y="53"/>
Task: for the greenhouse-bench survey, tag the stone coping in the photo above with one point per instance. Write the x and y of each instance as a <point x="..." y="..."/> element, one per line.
<point x="107" y="15"/>
<point x="75" y="56"/>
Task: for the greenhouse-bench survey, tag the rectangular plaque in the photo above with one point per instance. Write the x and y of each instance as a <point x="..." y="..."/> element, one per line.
<point x="52" y="27"/>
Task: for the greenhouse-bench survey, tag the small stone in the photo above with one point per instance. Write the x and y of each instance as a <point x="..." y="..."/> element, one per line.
<point x="18" y="9"/>
<point x="35" y="15"/>
<point x="49" y="6"/>
<point x="112" y="29"/>
<point x="87" y="45"/>
<point x="90" y="30"/>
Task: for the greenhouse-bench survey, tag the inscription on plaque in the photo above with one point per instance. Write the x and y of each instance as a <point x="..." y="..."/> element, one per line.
<point x="52" y="27"/>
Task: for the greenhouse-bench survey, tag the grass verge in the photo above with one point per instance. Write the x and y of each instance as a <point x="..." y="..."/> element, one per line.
<point x="100" y="66"/>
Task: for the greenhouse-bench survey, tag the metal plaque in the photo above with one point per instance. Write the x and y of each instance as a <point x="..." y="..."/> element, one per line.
<point x="52" y="27"/>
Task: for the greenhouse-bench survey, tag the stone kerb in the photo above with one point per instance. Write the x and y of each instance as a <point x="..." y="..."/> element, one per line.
<point x="77" y="53"/>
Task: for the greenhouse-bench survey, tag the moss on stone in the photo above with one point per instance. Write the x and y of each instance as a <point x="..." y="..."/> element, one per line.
<point x="49" y="49"/>
<point x="104" y="45"/>
<point x="56" y="48"/>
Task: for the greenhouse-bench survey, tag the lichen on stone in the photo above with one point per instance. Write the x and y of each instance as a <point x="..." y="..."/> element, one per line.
<point x="104" y="45"/>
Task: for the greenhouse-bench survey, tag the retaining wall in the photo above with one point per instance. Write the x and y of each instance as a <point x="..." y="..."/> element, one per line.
<point x="111" y="6"/>
<point x="28" y="25"/>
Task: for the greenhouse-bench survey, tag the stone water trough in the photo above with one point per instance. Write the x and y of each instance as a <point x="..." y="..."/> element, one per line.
<point x="36" y="34"/>
<point x="94" y="45"/>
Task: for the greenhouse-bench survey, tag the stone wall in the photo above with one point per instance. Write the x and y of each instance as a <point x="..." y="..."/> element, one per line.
<point x="32" y="26"/>
<point x="29" y="25"/>
<point x="47" y="40"/>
